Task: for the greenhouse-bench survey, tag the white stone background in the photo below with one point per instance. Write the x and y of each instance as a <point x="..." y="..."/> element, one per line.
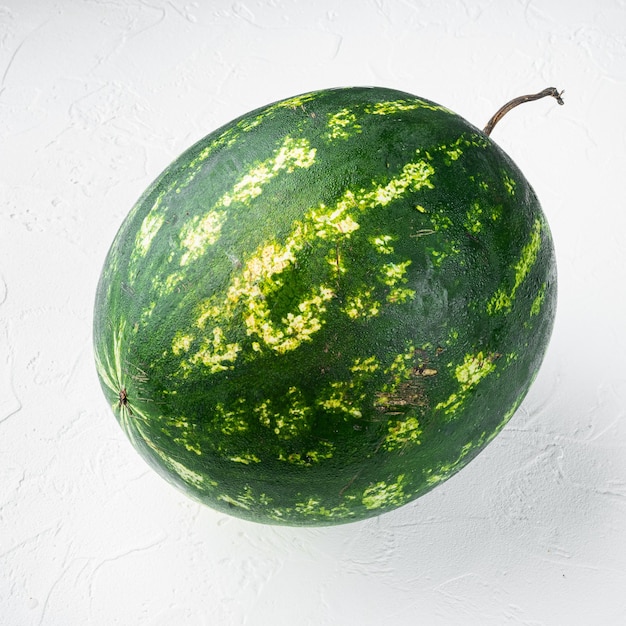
<point x="96" y="98"/>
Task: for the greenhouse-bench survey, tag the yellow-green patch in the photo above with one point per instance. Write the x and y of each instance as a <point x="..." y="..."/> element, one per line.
<point x="468" y="374"/>
<point x="535" y="308"/>
<point x="447" y="469"/>
<point x="509" y="184"/>
<point x="384" y="494"/>
<point x="200" y="233"/>
<point x="402" y="433"/>
<point x="311" y="457"/>
<point x="343" y="397"/>
<point x="343" y="124"/>
<point x="473" y="222"/>
<point x="148" y="230"/>
<point x="245" y="458"/>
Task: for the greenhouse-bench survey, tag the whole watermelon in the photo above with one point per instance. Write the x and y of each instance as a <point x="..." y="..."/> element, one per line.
<point x="326" y="307"/>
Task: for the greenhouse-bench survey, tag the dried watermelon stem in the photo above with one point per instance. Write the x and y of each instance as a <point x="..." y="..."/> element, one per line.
<point x="550" y="91"/>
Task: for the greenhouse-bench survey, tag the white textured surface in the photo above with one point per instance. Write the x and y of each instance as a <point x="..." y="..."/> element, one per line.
<point x="96" y="98"/>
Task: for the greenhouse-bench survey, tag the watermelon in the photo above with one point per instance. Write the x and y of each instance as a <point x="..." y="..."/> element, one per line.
<point x="326" y="307"/>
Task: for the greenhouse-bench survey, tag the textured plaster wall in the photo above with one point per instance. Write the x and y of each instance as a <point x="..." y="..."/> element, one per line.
<point x="96" y="97"/>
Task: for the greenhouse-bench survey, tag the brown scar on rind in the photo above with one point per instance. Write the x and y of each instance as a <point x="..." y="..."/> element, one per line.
<point x="123" y="402"/>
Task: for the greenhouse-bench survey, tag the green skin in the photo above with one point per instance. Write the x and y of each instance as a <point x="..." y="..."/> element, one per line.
<point x="296" y="327"/>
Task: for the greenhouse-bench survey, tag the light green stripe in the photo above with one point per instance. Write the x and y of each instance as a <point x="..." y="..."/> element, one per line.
<point x="260" y="276"/>
<point x="392" y="107"/>
<point x="293" y="154"/>
<point x="502" y="300"/>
